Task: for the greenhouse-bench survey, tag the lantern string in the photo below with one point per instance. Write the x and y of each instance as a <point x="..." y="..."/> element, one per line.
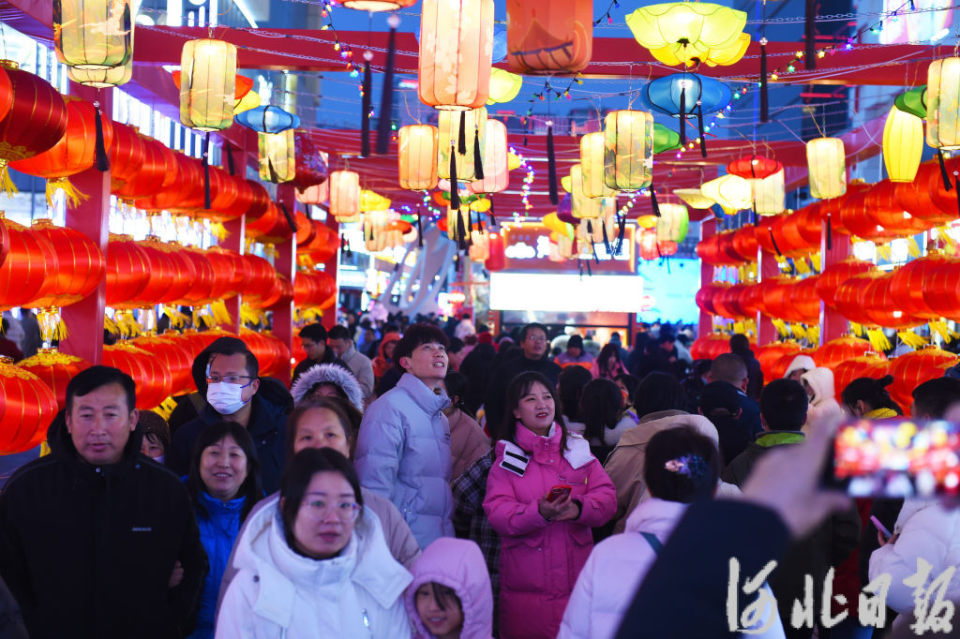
<point x="552" y="166"/>
<point x="462" y="134"/>
<point x="205" y="161"/>
<point x="386" y="95"/>
<point x="419" y="228"/>
<point x="943" y="170"/>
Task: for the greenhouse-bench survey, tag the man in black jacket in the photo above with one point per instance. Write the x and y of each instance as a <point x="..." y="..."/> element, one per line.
<point x="96" y="540"/>
<point x="235" y="393"/>
<point x="314" y="340"/>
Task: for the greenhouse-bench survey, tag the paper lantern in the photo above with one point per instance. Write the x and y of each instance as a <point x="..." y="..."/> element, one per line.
<point x="92" y="35"/>
<point x="268" y="119"/>
<point x="583" y="207"/>
<point x="592" y="166"/>
<point x="754" y="167"/>
<point x="826" y="162"/>
<point x="941" y="289"/>
<point x="664" y="139"/>
<point x="647" y="247"/>
<point x="496" y="176"/>
<point x="834" y="275"/>
<point x="872" y="366"/>
<point x="157" y="171"/>
<point x="458" y="223"/>
<point x="127" y="271"/>
<point x="902" y="145"/>
<point x="849" y="298"/>
<point x="682" y="95"/>
<point x="153" y="381"/>
<point x="174" y="356"/>
<point x="694" y="198"/>
<point x="26" y="272"/>
<point x="943" y="103"/>
<point x="277" y="156"/>
<point x="55" y="369"/>
<point x="228" y="269"/>
<point x="769" y="194"/>
<point x="745" y="243"/>
<point x="345" y="195"/>
<point x="79" y="264"/>
<point x="732" y="192"/>
<point x="418" y="153"/>
<point x="673" y="223"/>
<point x="549" y="38"/>
<point x="378" y="5"/>
<point x="907" y="284"/>
<point x="912" y="369"/>
<point x="628" y="150"/>
<point x="882" y="308"/>
<point x="456" y="49"/>
<point x="840" y="350"/>
<point x="691" y="33"/>
<point x="769" y="354"/>
<point x="504" y="86"/>
<point x="474" y="123"/>
<point x="710" y="346"/>
<point x="208" y="72"/>
<point x="103" y="78"/>
<point x="27" y="406"/>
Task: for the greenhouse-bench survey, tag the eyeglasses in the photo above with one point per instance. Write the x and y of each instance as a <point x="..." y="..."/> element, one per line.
<point x="230" y="379"/>
<point x="346" y="510"/>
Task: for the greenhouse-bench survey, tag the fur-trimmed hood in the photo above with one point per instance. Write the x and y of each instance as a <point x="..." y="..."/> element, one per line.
<point x="329" y="374"/>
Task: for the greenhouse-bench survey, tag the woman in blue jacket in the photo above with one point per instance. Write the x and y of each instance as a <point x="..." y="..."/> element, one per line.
<point x="224" y="484"/>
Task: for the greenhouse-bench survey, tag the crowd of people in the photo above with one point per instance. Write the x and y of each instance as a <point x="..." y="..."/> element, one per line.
<point x="431" y="481"/>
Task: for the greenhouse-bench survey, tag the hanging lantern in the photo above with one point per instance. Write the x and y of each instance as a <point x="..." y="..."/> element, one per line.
<point x="834" y="275"/>
<point x="769" y="194"/>
<point x="882" y="308"/>
<point x="55" y="369"/>
<point x="27" y="406"/>
<point x="26" y="272"/>
<point x="174" y="356"/>
<point x="418" y="155"/>
<point x="694" y="198"/>
<point x="647" y="245"/>
<point x="902" y="145"/>
<point x="672" y="224"/>
<point x="496" y="177"/>
<point x="78" y="268"/>
<point x="826" y="162"/>
<point x="278" y="160"/>
<point x="456" y="49"/>
<point x="745" y="242"/>
<point x="504" y="86"/>
<point x="473" y="125"/>
<point x="732" y="192"/>
<point x="691" y="33"/>
<point x="458" y="224"/>
<point x="268" y="119"/>
<point x="92" y="35"/>
<point x="102" y="78"/>
<point x="665" y="139"/>
<point x="912" y="369"/>
<point x="127" y="271"/>
<point x="592" y="167"/>
<point x="345" y="195"/>
<point x="840" y="350"/>
<point x="871" y="365"/>
<point x="754" y="167"/>
<point x="628" y="150"/>
<point x="769" y="354"/>
<point x="943" y="103"/>
<point x="317" y="194"/>
<point x="479" y="245"/>
<point x="908" y="283"/>
<point x="208" y="72"/>
<point x="582" y="207"/>
<point x="710" y="346"/>
<point x="153" y="381"/>
<point x="378" y="5"/>
<point x="683" y="95"/>
<point x="549" y="38"/>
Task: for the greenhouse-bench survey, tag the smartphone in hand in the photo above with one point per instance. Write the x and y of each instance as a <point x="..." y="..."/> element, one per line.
<point x="560" y="491"/>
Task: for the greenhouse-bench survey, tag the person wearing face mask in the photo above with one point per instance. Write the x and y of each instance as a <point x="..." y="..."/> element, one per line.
<point x="233" y="390"/>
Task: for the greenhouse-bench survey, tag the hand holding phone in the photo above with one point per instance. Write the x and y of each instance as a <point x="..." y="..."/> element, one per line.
<point x="558" y="492"/>
<point x="881" y="528"/>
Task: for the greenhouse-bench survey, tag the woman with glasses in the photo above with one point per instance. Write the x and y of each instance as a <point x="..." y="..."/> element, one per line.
<point x="317" y="565"/>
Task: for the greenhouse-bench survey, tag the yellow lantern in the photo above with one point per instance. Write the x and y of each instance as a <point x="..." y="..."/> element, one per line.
<point x="95" y="34"/>
<point x="581" y="206"/>
<point x="475" y="126"/>
<point x="250" y="101"/>
<point x="102" y="78"/>
<point x="345" y="195"/>
<point x="628" y="150"/>
<point x="378" y="5"/>
<point x="591" y="163"/>
<point x="496" y="178"/>
<point x="691" y="32"/>
<point x="373" y="201"/>
<point x="648" y="221"/>
<point x="826" y="162"/>
<point x="458" y="221"/>
<point x="732" y="192"/>
<point x="902" y="145"/>
<point x="208" y="77"/>
<point x="456" y="49"/>
<point x="673" y="223"/>
<point x="374" y="237"/>
<point x="278" y="160"/>
<point x="694" y="198"/>
<point x="418" y="157"/>
<point x="504" y="86"/>
<point x="769" y="194"/>
<point x="554" y="224"/>
<point x="943" y="103"/>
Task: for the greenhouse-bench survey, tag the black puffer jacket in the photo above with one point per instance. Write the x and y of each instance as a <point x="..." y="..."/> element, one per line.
<point x="88" y="551"/>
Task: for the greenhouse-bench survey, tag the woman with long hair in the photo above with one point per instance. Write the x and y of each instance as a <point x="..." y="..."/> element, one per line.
<point x="608" y="364"/>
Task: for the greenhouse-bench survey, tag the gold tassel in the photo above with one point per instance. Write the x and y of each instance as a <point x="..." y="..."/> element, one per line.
<point x="165" y="409"/>
<point x="270" y="250"/>
<point x="127" y="324"/>
<point x="813" y="334"/>
<point x="51" y="324"/>
<point x="911" y="339"/>
<point x="856" y="329"/>
<point x="73" y="195"/>
<point x="801" y="265"/>
<point x="110" y="325"/>
<point x="799" y="331"/>
<point x="883" y="252"/>
<point x="220" y="313"/>
<point x="878" y="340"/>
<point x="781" y="327"/>
<point x="219" y="231"/>
<point x="782" y="264"/>
<point x="6" y="182"/>
<point x="738" y="327"/>
<point x="815" y="262"/>
<point x="912" y="247"/>
<point x="177" y="319"/>
<point x="312" y="314"/>
<point x="44" y="446"/>
<point x="940" y="328"/>
<point x="248" y="316"/>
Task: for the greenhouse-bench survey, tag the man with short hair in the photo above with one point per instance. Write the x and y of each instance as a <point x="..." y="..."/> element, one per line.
<point x="96" y="540"/>
<point x="534" y="346"/>
<point x="359" y="364"/>
<point x="232" y="387"/>
<point x="740" y="345"/>
<point x="731" y="369"/>
<point x="313" y="337"/>
<point x="403" y="449"/>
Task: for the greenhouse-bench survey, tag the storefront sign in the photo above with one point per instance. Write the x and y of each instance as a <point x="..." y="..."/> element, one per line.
<point x="527" y="248"/>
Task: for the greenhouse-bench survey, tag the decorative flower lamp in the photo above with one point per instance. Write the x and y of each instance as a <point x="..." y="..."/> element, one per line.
<point x="691" y="32"/>
<point x="732" y="192"/>
<point x="754" y="167"/>
<point x="681" y="95"/>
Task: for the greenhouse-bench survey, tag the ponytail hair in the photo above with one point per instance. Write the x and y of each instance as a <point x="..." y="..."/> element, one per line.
<point x="872" y="392"/>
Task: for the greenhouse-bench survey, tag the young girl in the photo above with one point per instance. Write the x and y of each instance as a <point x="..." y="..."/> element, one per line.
<point x="450" y="596"/>
<point x="544" y="493"/>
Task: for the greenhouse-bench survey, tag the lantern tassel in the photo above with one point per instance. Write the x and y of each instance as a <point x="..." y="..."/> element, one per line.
<point x="462" y="135"/>
<point x="956" y="184"/>
<point x="206" y="171"/>
<point x="419" y="229"/>
<point x="74" y="196"/>
<point x="943" y="170"/>
<point x="365" y="106"/>
<point x="6" y="184"/>
<point x="829" y="232"/>
<point x="230" y="167"/>
<point x="52" y="328"/>
<point x="493" y="217"/>
<point x="593" y="245"/>
<point x="775" y="247"/>
<point x="386" y="97"/>
<point x="461" y="232"/>
<point x="606" y="239"/>
<point x="477" y="155"/>
<point x="552" y="166"/>
<point x="454" y="188"/>
<point x="683" y="116"/>
<point x="622" y="223"/>
<point x="102" y="161"/>
<point x="653" y="200"/>
<point x="703" y="135"/>
<point x="810" y="35"/>
<point x="764" y="97"/>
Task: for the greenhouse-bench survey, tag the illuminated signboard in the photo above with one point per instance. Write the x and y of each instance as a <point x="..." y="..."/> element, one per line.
<point x="527" y="248"/>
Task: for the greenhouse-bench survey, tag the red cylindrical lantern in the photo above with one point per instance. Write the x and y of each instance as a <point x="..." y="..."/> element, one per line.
<point x="941" y="289"/>
<point x="27" y="406"/>
<point x="833" y="276"/>
<point x="174" y="357"/>
<point x="228" y="273"/>
<point x="200" y="292"/>
<point x="849" y="297"/>
<point x="154" y="381"/>
<point x="754" y="167"/>
<point x="769" y="354"/>
<point x="127" y="271"/>
<point x="710" y="346"/>
<point x="745" y="242"/>
<point x="705" y="296"/>
<point x="874" y="366"/>
<point x="157" y="171"/>
<point x="78" y="266"/>
<point x="56" y="369"/>
<point x="127" y="155"/>
<point x="839" y="350"/>
<point x="908" y="283"/>
<point x="881" y="308"/>
<point x="75" y="151"/>
<point x="25" y="274"/>
<point x="912" y="369"/>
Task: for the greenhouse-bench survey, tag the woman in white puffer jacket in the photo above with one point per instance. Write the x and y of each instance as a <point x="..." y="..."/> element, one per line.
<point x="823" y="404"/>
<point x="316" y="566"/>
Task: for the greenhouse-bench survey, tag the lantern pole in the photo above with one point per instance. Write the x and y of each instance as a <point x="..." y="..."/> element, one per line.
<point x="285" y="264"/>
<point x="832" y="323"/>
<point x="767" y="267"/>
<point x="234" y="228"/>
<point x="84" y="319"/>
<point x="708" y="228"/>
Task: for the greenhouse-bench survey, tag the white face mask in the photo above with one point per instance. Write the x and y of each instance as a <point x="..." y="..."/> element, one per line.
<point x="225" y="398"/>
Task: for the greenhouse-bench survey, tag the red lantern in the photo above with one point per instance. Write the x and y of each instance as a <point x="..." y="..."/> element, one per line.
<point x="157" y="172"/>
<point x="77" y="268"/>
<point x="912" y="369"/>
<point x="201" y="290"/>
<point x="27" y="406"/>
<point x="833" y="276"/>
<point x="769" y="354"/>
<point x="174" y="357"/>
<point x="745" y="242"/>
<point x="849" y="297"/>
<point x="648" y="245"/>
<point x="726" y="301"/>
<point x="185" y="273"/>
<point x="127" y="155"/>
<point x="162" y="274"/>
<point x="227" y="271"/>
<point x="884" y="207"/>
<point x="225" y="192"/>
<point x="127" y="272"/>
<point x="729" y="254"/>
<point x="881" y="307"/>
<point x="710" y="346"/>
<point x="705" y="296"/>
<point x="873" y="365"/>
<point x="941" y="289"/>
<point x="907" y="284"/>
<point x="755" y="167"/>
<point x="323" y="244"/>
<point x="779" y="368"/>
<point x="56" y="369"/>
<point x="839" y="350"/>
<point x="764" y="234"/>
<point x="799" y="233"/>
<point x="311" y="168"/>
<point x="184" y="193"/>
<point x="497" y="259"/>
<point x="259" y="291"/>
<point x="25" y="274"/>
<point x="917" y="197"/>
<point x="153" y="380"/>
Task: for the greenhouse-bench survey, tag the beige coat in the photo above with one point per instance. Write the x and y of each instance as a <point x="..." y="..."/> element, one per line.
<point x="468" y="443"/>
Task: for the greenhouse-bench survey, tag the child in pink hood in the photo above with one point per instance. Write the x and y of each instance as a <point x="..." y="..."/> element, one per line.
<point x="545" y="492"/>
<point x="450" y="596"/>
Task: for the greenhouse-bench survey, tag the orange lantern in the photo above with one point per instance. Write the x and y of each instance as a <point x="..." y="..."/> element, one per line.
<point x="550" y="38"/>
<point x="228" y="272"/>
<point x="884" y="208"/>
<point x="745" y="242"/>
<point x="173" y="356"/>
<point x="833" y="276"/>
<point x="907" y="284"/>
<point x="418" y="156"/>
<point x="184" y="273"/>
<point x="162" y="271"/>
<point x="27" y="406"/>
<point x="839" y="350"/>
<point x="941" y="289"/>
<point x="849" y="297"/>
<point x="706" y="295"/>
<point x="158" y="171"/>
<point x="153" y="380"/>
<point x="779" y="368"/>
<point x="56" y="369"/>
<point x="201" y="289"/>
<point x="912" y="369"/>
<point x="917" y="197"/>
<point x="769" y="354"/>
<point x="26" y="273"/>
<point x="881" y="308"/>
<point x="77" y="268"/>
<point x="127" y="155"/>
<point x="710" y="346"/>
<point x="872" y="365"/>
<point x="754" y="167"/>
<point x="127" y="271"/>
<point x="456" y="47"/>
<point x="260" y="287"/>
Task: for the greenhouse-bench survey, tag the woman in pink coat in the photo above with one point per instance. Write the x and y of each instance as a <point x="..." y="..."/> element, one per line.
<point x="544" y="494"/>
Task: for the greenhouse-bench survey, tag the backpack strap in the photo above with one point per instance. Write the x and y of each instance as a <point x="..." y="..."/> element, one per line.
<point x="653" y="541"/>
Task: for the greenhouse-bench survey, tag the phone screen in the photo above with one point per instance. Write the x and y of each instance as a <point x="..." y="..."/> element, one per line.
<point x="897" y="458"/>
